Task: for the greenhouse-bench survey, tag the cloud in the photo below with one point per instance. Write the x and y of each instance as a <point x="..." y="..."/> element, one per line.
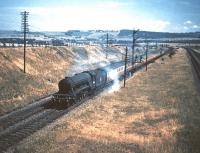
<point x="190" y="26"/>
<point x="195" y="26"/>
<point x="108" y="15"/>
<point x="187" y="22"/>
<point x="111" y="4"/>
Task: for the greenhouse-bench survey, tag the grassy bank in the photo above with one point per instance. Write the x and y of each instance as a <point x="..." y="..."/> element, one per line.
<point x="45" y="66"/>
<point x="158" y="112"/>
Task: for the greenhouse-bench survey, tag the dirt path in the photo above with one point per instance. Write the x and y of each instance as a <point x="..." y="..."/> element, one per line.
<point x="157" y="112"/>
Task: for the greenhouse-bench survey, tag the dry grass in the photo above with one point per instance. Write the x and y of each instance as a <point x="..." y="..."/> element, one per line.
<point x="17" y="88"/>
<point x="158" y="112"/>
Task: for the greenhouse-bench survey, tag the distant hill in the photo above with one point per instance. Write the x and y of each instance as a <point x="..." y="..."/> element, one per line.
<point x="98" y="33"/>
<point x="157" y="35"/>
<point x="16" y="34"/>
<point x="77" y="33"/>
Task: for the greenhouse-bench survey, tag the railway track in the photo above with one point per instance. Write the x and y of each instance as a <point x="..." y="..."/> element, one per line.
<point x="21" y="114"/>
<point x="42" y="115"/>
<point x="195" y="60"/>
<point x="21" y="123"/>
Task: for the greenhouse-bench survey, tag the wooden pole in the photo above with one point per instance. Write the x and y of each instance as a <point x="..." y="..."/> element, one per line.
<point x="125" y="61"/>
<point x="147" y="45"/>
<point x="106" y="45"/>
<point x="25" y="30"/>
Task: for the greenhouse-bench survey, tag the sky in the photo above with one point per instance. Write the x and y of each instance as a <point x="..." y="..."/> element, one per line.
<point x="63" y="15"/>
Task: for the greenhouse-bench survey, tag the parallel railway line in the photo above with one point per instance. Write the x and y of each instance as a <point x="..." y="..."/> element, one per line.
<point x="195" y="60"/>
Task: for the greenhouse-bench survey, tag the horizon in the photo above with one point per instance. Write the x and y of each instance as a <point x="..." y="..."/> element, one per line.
<point x="178" y="16"/>
<point x="106" y="30"/>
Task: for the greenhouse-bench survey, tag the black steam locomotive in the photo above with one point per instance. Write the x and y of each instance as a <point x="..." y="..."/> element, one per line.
<point x="86" y="83"/>
<point x="81" y="84"/>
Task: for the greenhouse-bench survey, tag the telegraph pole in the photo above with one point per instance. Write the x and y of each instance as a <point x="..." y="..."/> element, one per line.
<point x="125" y="61"/>
<point x="147" y="46"/>
<point x="107" y="39"/>
<point x="106" y="45"/>
<point x="156" y="44"/>
<point x="24" y="26"/>
<point x="133" y="47"/>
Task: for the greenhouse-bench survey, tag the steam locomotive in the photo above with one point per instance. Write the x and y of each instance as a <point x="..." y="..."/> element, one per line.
<point x="86" y="83"/>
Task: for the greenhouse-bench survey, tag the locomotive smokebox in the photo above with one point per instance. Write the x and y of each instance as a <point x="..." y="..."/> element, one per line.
<point x="64" y="86"/>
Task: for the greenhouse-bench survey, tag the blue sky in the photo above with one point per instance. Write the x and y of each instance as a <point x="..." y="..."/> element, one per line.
<point x="62" y="15"/>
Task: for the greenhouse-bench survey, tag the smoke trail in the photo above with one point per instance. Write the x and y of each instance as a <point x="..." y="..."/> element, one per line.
<point x="113" y="75"/>
<point x="95" y="59"/>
